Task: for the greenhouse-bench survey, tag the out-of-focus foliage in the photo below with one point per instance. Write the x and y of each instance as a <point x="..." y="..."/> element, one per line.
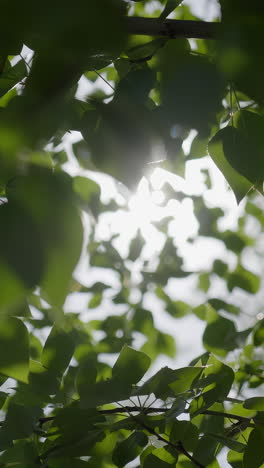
<point x="66" y="406"/>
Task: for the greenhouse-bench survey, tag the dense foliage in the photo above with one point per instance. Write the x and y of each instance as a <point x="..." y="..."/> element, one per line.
<point x="63" y="404"/>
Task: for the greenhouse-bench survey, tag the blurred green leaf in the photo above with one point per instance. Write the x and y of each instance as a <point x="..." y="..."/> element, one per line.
<point x="220" y="335"/>
<point x="58" y="350"/>
<point x="217" y="150"/>
<point x="255" y="403"/>
<point x="219" y="304"/>
<point x="258" y="335"/>
<point x="243" y="279"/>
<point x="169" y="7"/>
<point x="14" y="349"/>
<point x="20" y="423"/>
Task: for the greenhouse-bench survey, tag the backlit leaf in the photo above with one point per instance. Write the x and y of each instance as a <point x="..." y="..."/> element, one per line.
<point x="131" y="365"/>
<point x="217" y="150"/>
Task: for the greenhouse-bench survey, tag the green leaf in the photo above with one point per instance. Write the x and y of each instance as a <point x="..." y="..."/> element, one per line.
<point x="77" y="430"/>
<point x="21" y="249"/>
<point x="216" y="382"/>
<point x="255" y="403"/>
<point x="217" y="150"/>
<point x="258" y="335"/>
<point x="51" y="229"/>
<point x="182" y="99"/>
<point x="63" y="257"/>
<point x="152" y="461"/>
<point x="205" y="451"/>
<point x="74" y="447"/>
<point x="88" y="191"/>
<point x="56" y="355"/>
<point x="198" y="148"/>
<point x="247" y="150"/>
<point x="20" y="422"/>
<point x="204" y="282"/>
<point x="169" y="7"/>
<point x="167" y="382"/>
<point x="176" y="309"/>
<point x="236" y="241"/>
<point x="103" y="391"/>
<point x="22" y="451"/>
<point x="183" y="379"/>
<point x="158" y="384"/>
<point x="177" y="408"/>
<point x="142" y="51"/>
<point x="129" y="424"/>
<point x="14" y="349"/>
<point x="68" y="463"/>
<point x="157" y="343"/>
<point x="58" y="350"/>
<point x="228" y="442"/>
<point x="12" y="75"/>
<point x="136" y="246"/>
<point x="73" y="421"/>
<point x="3" y="397"/>
<point x="219" y="304"/>
<point x="254" y="454"/>
<point x="235" y="459"/>
<point x="4" y="100"/>
<point x="220" y="334"/>
<point x="164" y="344"/>
<point x="85" y="378"/>
<point x="186" y="432"/>
<point x="166" y="454"/>
<point x="243" y="279"/>
<point x="129" y="449"/>
<point x="220" y="268"/>
<point x="122" y="66"/>
<point x="95" y="301"/>
<point x="131" y="365"/>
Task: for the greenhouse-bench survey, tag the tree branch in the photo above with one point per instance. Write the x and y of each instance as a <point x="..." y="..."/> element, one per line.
<point x="146" y="411"/>
<point x="177" y="446"/>
<point x="172" y="28"/>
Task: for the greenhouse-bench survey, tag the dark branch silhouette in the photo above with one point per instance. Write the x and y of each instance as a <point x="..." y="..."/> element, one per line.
<point x="172" y="28"/>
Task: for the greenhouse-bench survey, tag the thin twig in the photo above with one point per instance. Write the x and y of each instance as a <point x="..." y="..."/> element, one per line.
<point x="177" y="446"/>
<point x="102" y="78"/>
<point x="227" y="415"/>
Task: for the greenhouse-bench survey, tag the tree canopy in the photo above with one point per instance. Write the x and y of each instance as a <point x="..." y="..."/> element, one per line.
<point x="78" y="387"/>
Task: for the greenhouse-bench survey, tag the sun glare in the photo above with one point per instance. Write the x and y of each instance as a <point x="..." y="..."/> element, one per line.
<point x="149" y="205"/>
<point x="144" y="205"/>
